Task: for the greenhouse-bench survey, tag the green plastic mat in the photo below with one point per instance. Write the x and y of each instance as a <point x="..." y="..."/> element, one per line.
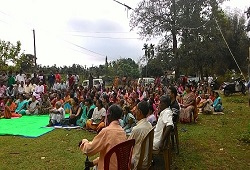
<point x="27" y="126"/>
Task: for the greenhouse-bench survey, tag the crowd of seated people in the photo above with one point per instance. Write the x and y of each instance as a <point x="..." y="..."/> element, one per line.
<point x="32" y="95"/>
<point x="141" y="105"/>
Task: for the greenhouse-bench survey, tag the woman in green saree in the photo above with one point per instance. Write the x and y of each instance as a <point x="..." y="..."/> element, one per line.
<point x="88" y="109"/>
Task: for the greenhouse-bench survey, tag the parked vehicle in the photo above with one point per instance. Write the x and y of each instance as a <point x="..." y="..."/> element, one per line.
<point x="96" y="83"/>
<point x="234" y="87"/>
<point x="146" y="81"/>
<point x="215" y="85"/>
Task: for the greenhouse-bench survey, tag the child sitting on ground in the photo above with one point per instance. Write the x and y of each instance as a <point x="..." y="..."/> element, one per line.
<point x="56" y="115"/>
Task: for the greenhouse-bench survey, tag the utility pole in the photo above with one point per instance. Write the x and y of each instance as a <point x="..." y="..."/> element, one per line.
<point x="177" y="69"/>
<point x="34" y="38"/>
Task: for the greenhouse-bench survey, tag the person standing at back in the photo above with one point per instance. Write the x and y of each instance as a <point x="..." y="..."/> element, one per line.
<point x="139" y="132"/>
<point x="172" y="92"/>
<point x="90" y="81"/>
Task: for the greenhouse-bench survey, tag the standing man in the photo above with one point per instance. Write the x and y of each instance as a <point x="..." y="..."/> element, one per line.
<point x="58" y="77"/>
<point x="51" y="80"/>
<point x="139" y="132"/>
<point x="20" y="77"/>
<point x="172" y="92"/>
<point x="11" y="79"/>
<point x="90" y="81"/>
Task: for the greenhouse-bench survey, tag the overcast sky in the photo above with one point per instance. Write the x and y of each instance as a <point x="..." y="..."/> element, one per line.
<point x="77" y="31"/>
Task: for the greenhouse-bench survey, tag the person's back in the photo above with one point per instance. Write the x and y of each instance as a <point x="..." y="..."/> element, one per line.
<point x="114" y="135"/>
<point x="106" y="139"/>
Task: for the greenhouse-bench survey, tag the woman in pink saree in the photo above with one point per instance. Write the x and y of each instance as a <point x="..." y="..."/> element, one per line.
<point x="188" y="107"/>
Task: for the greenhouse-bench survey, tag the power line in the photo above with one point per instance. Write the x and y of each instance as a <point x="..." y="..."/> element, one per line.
<point x="57" y="37"/>
<point x="128" y="7"/>
<point x="84" y="48"/>
<point x="104" y="37"/>
<point x="100" y="32"/>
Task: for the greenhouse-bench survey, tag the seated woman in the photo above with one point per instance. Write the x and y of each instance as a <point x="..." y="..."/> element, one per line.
<point x="208" y="106"/>
<point x="87" y="112"/>
<point x="21" y="105"/>
<point x="151" y="115"/>
<point x="128" y="120"/>
<point x="200" y="100"/>
<point x="188" y="106"/>
<point x="67" y="101"/>
<point x="217" y="103"/>
<point x="75" y="111"/>
<point x="212" y="95"/>
<point x="32" y="106"/>
<point x="45" y="105"/>
<point x="56" y="115"/>
<point x="98" y="116"/>
<point x="9" y="110"/>
<point x="57" y="98"/>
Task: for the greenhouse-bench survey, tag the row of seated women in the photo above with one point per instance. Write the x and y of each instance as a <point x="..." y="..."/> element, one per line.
<point x="89" y="113"/>
<point x="191" y="103"/>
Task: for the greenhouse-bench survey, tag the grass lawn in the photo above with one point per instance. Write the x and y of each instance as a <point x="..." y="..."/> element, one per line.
<point x="212" y="143"/>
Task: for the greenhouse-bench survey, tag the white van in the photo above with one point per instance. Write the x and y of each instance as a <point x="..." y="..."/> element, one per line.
<point x="146" y="81"/>
<point x="96" y="83"/>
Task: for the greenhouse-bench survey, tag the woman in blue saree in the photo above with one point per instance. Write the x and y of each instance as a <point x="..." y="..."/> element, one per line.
<point x="21" y="105"/>
<point x="217" y="103"/>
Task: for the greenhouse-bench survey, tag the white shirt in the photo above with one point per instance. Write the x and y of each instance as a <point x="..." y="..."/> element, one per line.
<point x="138" y="133"/>
<point x="97" y="114"/>
<point x="20" y="78"/>
<point x="57" y="86"/>
<point x="21" y="89"/>
<point x="39" y="89"/>
<point x="58" y="117"/>
<point x="210" y="79"/>
<point x="165" y="119"/>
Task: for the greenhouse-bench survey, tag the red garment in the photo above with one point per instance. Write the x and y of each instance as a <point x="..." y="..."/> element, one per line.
<point x="212" y="98"/>
<point x="71" y="81"/>
<point x="58" y="77"/>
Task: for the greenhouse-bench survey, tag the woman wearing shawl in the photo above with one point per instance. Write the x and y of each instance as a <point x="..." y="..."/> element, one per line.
<point x="188" y="106"/>
<point x="88" y="110"/>
<point x="75" y="111"/>
<point x="96" y="122"/>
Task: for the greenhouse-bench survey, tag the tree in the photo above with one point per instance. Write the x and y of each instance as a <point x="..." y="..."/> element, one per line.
<point x="248" y="16"/>
<point x="148" y="55"/>
<point x="169" y="19"/>
<point x="27" y="62"/>
<point x="10" y="54"/>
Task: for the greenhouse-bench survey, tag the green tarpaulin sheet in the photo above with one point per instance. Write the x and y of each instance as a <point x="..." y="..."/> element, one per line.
<point x="27" y="126"/>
